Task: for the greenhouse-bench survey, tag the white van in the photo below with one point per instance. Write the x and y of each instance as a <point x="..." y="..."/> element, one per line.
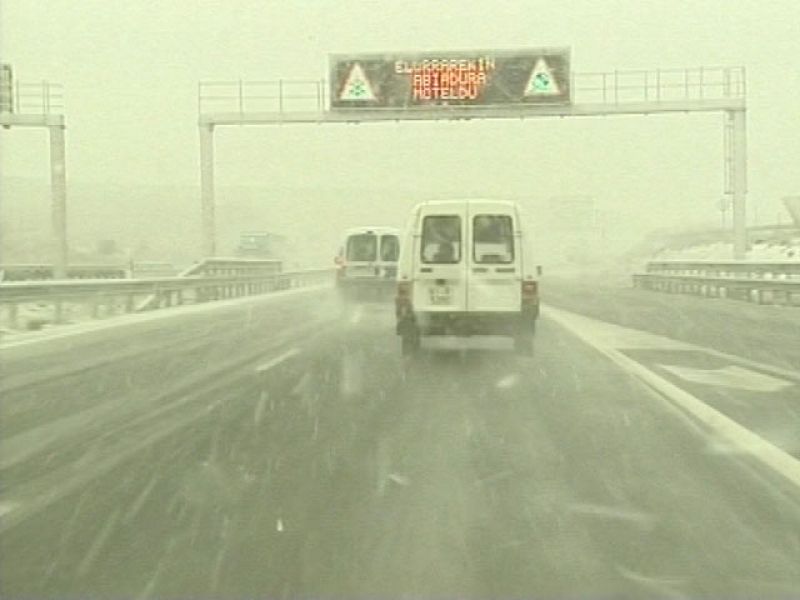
<point x="465" y="270"/>
<point x="366" y="265"/>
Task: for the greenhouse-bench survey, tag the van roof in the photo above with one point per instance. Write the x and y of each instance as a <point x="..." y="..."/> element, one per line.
<point x="378" y="229"/>
<point x="465" y="202"/>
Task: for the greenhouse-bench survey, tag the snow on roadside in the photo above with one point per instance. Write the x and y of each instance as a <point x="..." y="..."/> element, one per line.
<point x="761" y="250"/>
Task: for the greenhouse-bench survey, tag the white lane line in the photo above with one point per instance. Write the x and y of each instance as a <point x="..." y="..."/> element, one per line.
<point x="98" y="543"/>
<point x="6" y="507"/>
<point x="140" y="500"/>
<point x="787" y="373"/>
<point x="147" y="592"/>
<point x="259" y="410"/>
<point x="616" y="336"/>
<point x="730" y="376"/>
<point x="663" y="586"/>
<point x="646" y="521"/>
<point x="42" y="492"/>
<point x="357" y="314"/>
<point x="277" y="360"/>
<point x="750" y="443"/>
<point x="20" y="447"/>
<point x="399" y="479"/>
<point x="507" y="381"/>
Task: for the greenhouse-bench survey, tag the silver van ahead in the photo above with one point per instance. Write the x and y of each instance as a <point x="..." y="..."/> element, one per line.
<point x="366" y="265"/>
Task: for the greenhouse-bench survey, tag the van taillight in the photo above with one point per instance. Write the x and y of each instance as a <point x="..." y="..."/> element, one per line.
<point x="530" y="291"/>
<point x="404" y="290"/>
<point x="402" y="301"/>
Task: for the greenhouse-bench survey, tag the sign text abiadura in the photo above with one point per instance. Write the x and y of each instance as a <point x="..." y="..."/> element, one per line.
<point x="441" y="79"/>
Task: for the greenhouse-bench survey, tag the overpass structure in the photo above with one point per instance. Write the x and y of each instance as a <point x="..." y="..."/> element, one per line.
<point x="572" y="94"/>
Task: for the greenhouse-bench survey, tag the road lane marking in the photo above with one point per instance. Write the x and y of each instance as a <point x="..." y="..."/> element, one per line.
<point x="508" y="381"/>
<point x="594" y="333"/>
<point x="352" y="378"/>
<point x="112" y="414"/>
<point x="357" y="314"/>
<point x="259" y="411"/>
<point x="43" y="491"/>
<point x="730" y="376"/>
<point x="277" y="360"/>
<point x="98" y="543"/>
<point x="140" y="500"/>
<point x="29" y="443"/>
<point x="399" y="479"/>
<point x="663" y="586"/>
<point x="616" y="336"/>
<point x="639" y="518"/>
<point x="6" y="507"/>
<point x="495" y="477"/>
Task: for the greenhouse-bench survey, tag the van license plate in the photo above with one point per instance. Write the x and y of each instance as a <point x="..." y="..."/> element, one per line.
<point x="440" y="294"/>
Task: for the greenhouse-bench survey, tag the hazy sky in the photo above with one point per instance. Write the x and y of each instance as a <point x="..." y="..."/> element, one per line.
<point x="131" y="68"/>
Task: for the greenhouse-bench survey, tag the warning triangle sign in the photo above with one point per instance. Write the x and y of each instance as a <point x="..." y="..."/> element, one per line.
<point x="357" y="86"/>
<point x="541" y="81"/>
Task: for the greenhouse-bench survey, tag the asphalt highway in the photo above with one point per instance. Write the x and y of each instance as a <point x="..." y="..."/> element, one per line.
<point x="282" y="448"/>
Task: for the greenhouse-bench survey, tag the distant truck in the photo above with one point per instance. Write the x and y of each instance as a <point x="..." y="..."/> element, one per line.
<point x="261" y="244"/>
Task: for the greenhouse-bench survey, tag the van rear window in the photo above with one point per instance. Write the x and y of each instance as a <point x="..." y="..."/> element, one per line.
<point x="362" y="247"/>
<point x="390" y="248"/>
<point x="492" y="239"/>
<point x="441" y="239"/>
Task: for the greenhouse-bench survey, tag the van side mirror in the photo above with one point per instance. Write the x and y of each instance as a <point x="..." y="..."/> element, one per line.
<point x="539" y="270"/>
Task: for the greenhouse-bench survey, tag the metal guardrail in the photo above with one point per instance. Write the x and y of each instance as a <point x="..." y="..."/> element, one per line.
<point x="770" y="282"/>
<point x="772" y="269"/>
<point x="121" y="295"/>
<point x="39" y="272"/>
<point x="234" y="267"/>
<point x="612" y="87"/>
<point x="222" y="267"/>
<point x="141" y="270"/>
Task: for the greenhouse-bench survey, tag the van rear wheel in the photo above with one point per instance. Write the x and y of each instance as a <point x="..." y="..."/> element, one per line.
<point x="409" y="343"/>
<point x="523" y="344"/>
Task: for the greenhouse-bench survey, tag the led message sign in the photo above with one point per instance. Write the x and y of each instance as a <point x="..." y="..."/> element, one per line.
<point x="523" y="77"/>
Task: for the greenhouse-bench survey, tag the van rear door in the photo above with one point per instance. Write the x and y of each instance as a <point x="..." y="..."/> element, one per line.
<point x="361" y="254"/>
<point x="389" y="253"/>
<point x="440" y="262"/>
<point x="494" y="261"/>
